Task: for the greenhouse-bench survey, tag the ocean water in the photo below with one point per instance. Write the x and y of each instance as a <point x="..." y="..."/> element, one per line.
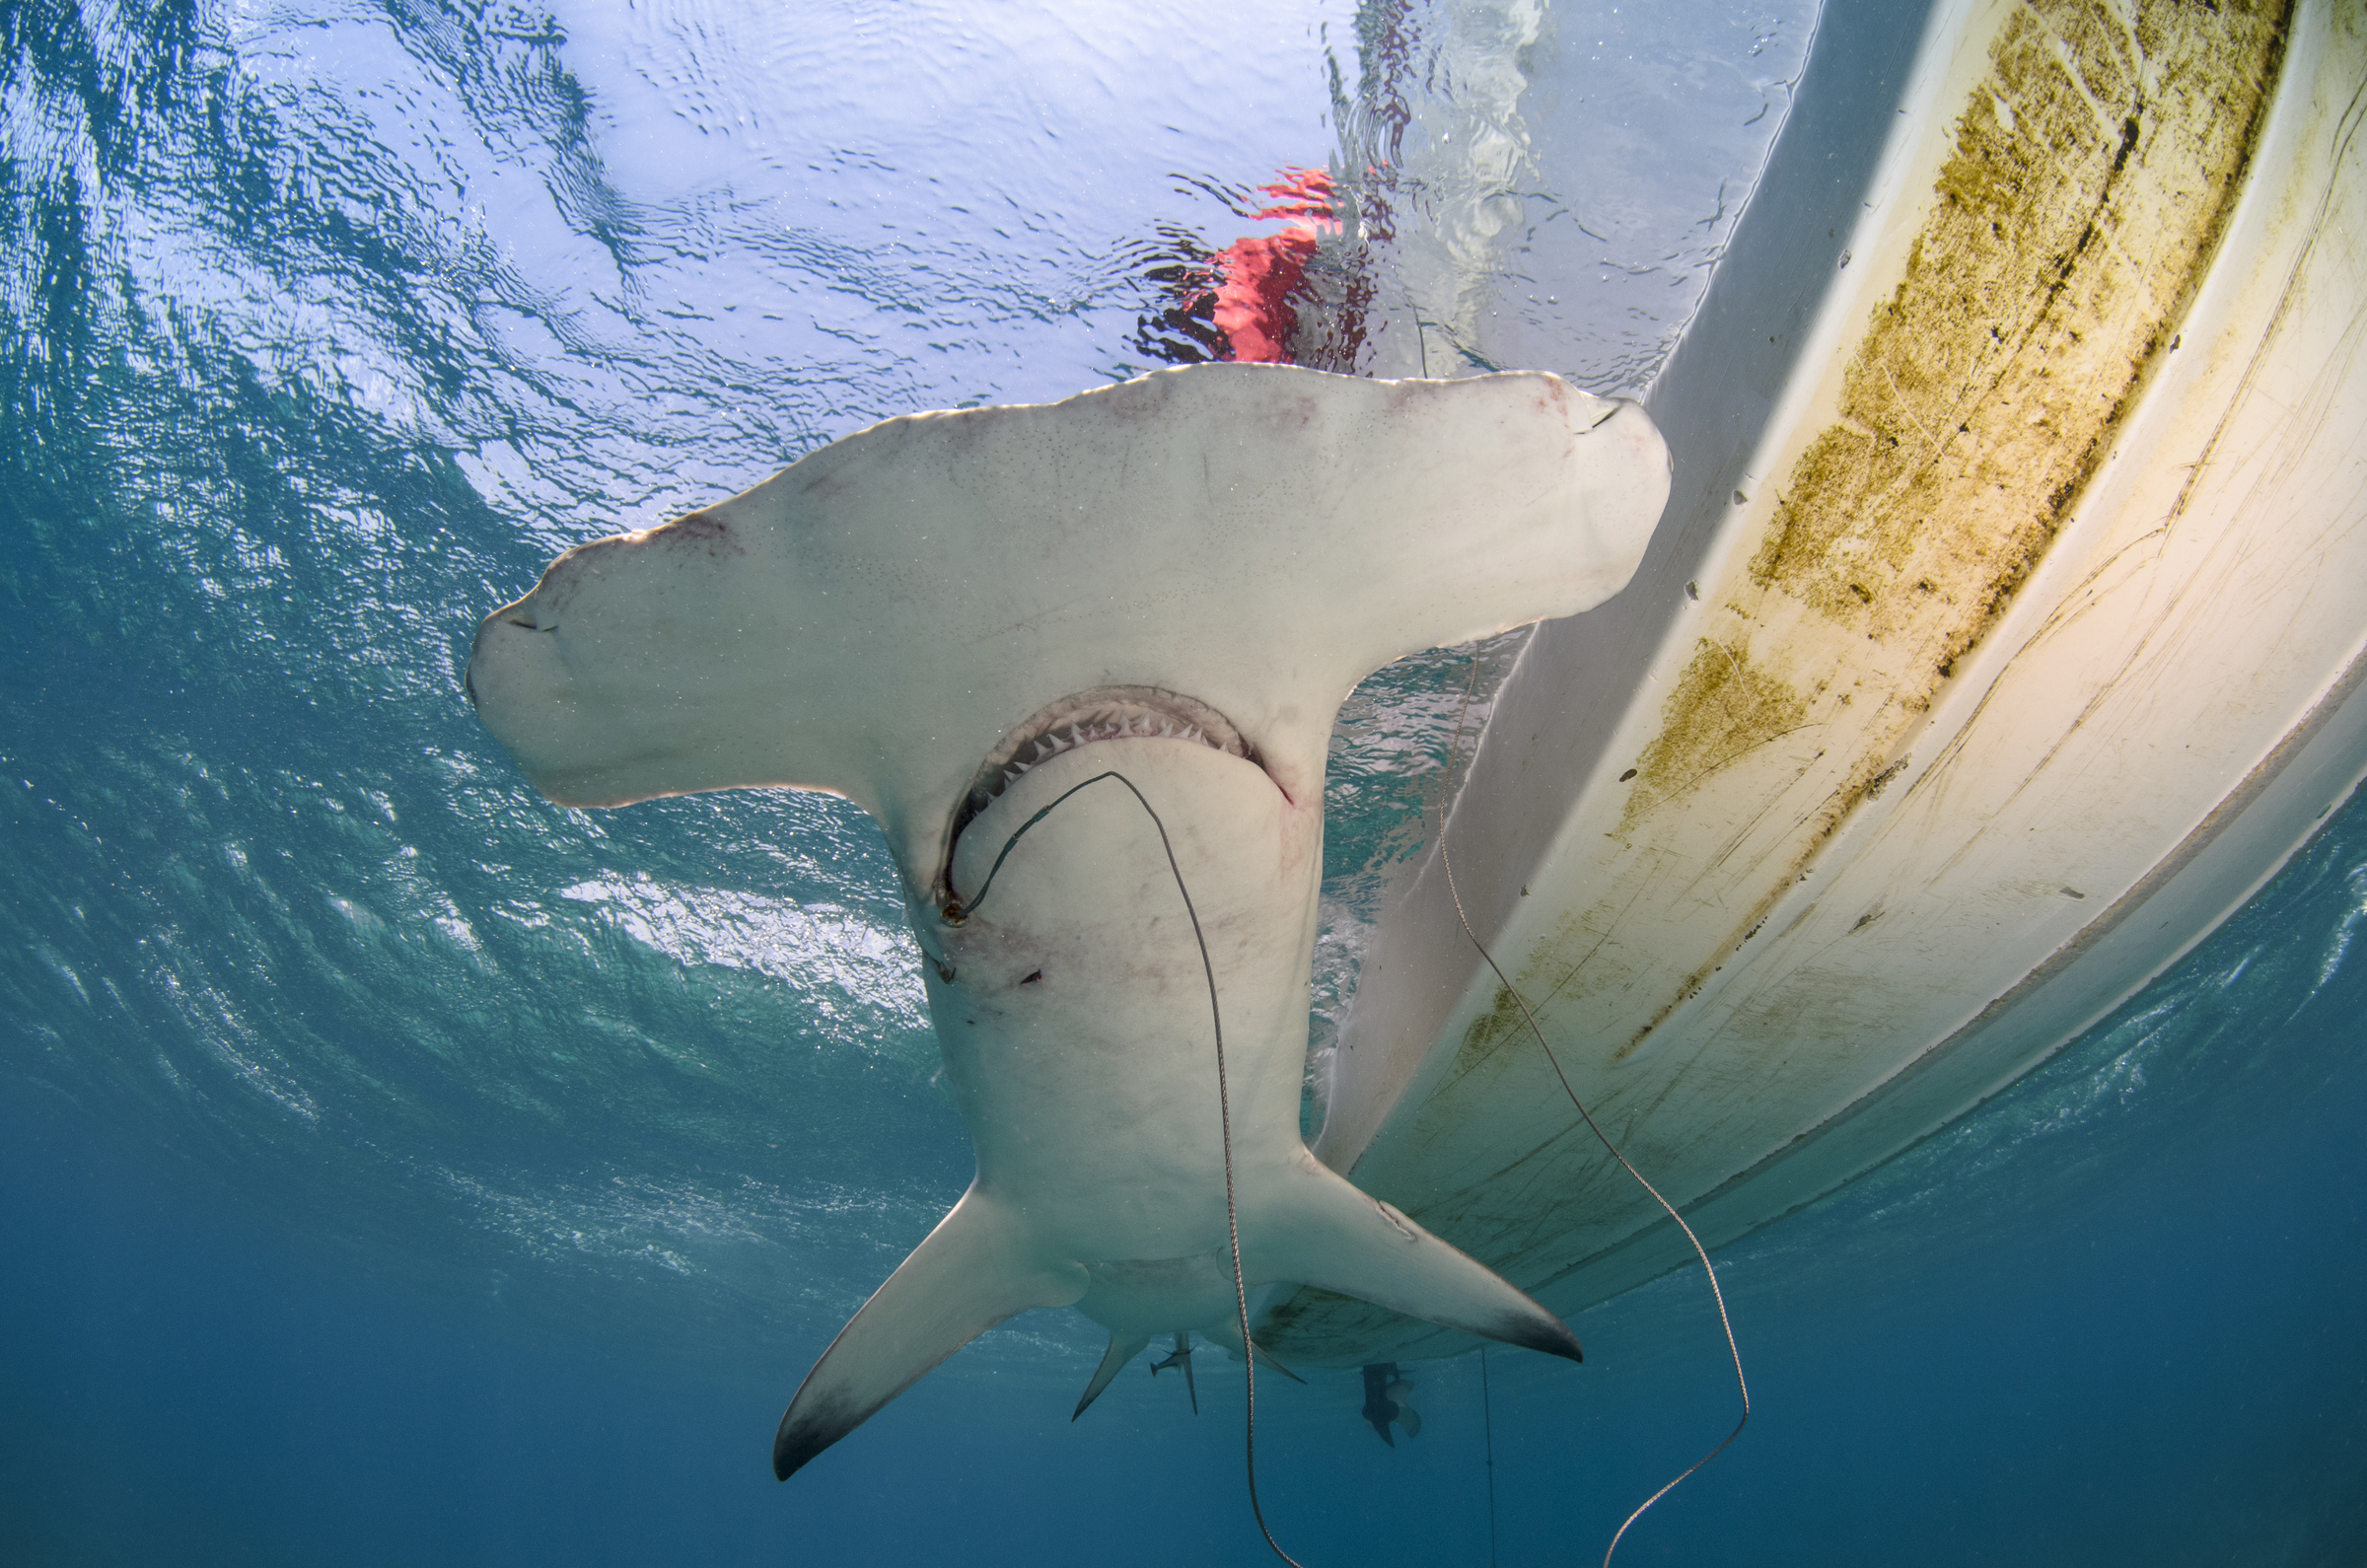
<point x="396" y="1169"/>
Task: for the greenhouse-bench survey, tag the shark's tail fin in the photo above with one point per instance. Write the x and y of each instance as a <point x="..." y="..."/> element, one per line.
<point x="1316" y="1229"/>
<point x="971" y="1272"/>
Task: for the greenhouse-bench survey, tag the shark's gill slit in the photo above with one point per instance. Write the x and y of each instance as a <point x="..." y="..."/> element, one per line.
<point x="954" y="912"/>
<point x="1447" y="862"/>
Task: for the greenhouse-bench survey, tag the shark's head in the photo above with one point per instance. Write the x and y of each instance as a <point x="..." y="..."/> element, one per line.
<point x="914" y="615"/>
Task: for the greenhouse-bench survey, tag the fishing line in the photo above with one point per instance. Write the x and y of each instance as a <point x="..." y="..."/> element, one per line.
<point x="954" y="912"/>
<point x="1701" y="1251"/>
<point x="1487" y="1419"/>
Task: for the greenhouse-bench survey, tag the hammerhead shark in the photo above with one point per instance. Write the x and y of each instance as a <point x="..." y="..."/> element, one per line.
<point x="1080" y="660"/>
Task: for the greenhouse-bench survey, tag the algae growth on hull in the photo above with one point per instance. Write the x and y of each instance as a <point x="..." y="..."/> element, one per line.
<point x="2089" y="180"/>
<point x="2008" y="277"/>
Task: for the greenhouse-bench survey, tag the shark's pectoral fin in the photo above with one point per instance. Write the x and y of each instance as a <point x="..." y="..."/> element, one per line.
<point x="1123" y="1349"/>
<point x="1318" y="1230"/>
<point x="973" y="1271"/>
<point x="1227" y="1332"/>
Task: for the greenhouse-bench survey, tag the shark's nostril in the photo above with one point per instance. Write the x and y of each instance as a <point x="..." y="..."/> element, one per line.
<point x="533" y="613"/>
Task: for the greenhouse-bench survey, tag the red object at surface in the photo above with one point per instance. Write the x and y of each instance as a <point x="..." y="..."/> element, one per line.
<point x="1256" y="276"/>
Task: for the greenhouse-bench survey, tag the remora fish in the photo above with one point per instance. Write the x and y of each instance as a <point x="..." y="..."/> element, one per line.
<point x="958" y="620"/>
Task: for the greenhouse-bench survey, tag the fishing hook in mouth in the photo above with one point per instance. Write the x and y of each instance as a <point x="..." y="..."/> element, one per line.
<point x="1102" y="713"/>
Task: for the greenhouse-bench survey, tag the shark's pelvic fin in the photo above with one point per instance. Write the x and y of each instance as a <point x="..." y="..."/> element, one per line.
<point x="1182" y="1357"/>
<point x="1318" y="1230"/>
<point x="971" y="1272"/>
<point x="1123" y="1349"/>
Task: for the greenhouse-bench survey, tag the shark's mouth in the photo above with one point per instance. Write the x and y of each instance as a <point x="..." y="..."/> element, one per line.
<point x="1104" y="713"/>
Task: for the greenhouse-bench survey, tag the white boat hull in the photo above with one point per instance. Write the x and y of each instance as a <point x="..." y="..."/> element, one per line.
<point x="2003" y="635"/>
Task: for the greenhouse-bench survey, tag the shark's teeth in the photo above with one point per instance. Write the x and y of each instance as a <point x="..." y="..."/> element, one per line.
<point x="1105" y="713"/>
<point x="1137" y="714"/>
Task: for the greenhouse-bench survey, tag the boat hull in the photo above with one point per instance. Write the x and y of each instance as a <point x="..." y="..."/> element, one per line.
<point x="2003" y="636"/>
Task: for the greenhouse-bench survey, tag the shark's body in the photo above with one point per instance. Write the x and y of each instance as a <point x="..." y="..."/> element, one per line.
<point x="1073" y="1008"/>
<point x="963" y="620"/>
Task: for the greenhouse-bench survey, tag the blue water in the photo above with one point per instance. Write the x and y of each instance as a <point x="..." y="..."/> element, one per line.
<point x="394" y="1168"/>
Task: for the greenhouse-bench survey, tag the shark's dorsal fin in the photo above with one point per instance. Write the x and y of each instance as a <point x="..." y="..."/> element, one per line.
<point x="968" y="1274"/>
